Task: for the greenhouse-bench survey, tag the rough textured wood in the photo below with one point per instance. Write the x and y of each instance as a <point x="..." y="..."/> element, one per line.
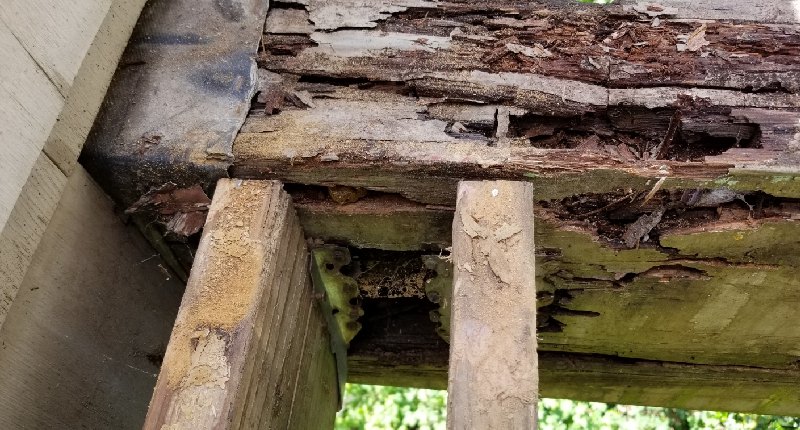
<point x="440" y="72"/>
<point x="433" y="42"/>
<point x="249" y="348"/>
<point x="593" y="105"/>
<point x="399" y="346"/>
<point x="192" y="85"/>
<point x="82" y="344"/>
<point x="723" y="272"/>
<point x="381" y="222"/>
<point x="607" y="379"/>
<point x="493" y="379"/>
<point x="422" y="94"/>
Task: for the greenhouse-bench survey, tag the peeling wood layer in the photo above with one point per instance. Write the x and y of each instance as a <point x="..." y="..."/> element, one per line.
<point x="423" y="94"/>
<point x="615" y="45"/>
<point x="662" y="146"/>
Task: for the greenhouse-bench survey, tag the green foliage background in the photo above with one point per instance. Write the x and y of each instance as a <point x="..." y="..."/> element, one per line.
<point x="371" y="407"/>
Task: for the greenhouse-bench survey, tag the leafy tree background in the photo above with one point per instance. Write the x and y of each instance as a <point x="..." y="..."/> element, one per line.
<point x="372" y="407"/>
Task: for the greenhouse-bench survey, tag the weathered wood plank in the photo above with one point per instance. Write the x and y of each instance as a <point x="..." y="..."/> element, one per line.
<point x="83" y="341"/>
<point x="630" y="45"/>
<point x="248" y="305"/>
<point x="513" y="91"/>
<point x="770" y="11"/>
<point x="26" y="224"/>
<point x="420" y="147"/>
<point x="192" y="86"/>
<point x="478" y="59"/>
<point x="723" y="272"/>
<point x="597" y="378"/>
<point x="400" y="347"/>
<point x="493" y="379"/>
<point x="381" y="222"/>
<point x="29" y="106"/>
<point x="88" y="88"/>
<point x="56" y="33"/>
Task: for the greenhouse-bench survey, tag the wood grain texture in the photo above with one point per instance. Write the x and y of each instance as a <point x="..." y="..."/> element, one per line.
<point x="249" y="348"/>
<point x="410" y="97"/>
<point x="88" y="88"/>
<point x="82" y="343"/>
<point x="597" y="378"/>
<point x="711" y="282"/>
<point x="53" y="50"/>
<point x="28" y="221"/>
<point x="770" y="11"/>
<point x="29" y="106"/>
<point x="56" y="33"/>
<point x="493" y="379"/>
<point x="380" y="222"/>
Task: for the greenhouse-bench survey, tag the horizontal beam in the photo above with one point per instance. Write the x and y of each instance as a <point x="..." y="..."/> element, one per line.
<point x="614" y="380"/>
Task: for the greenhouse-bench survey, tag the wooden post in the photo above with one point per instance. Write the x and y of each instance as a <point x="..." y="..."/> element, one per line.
<point x="493" y="378"/>
<point x="249" y="348"/>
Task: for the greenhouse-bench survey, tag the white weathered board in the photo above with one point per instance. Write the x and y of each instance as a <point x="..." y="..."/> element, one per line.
<point x="82" y="343"/>
<point x="58" y="60"/>
<point x="29" y="106"/>
<point x="20" y="237"/>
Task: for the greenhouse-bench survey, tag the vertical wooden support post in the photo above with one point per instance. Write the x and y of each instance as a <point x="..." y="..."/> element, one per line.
<point x="249" y="348"/>
<point x="493" y="378"/>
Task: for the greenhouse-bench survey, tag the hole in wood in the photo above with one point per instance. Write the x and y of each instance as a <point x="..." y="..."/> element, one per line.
<point x="612" y="216"/>
<point x="635" y="133"/>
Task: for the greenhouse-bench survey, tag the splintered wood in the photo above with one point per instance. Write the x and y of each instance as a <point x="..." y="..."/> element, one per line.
<point x="249" y="348"/>
<point x="493" y="380"/>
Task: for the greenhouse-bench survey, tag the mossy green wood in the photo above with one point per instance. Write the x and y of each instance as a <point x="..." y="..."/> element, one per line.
<point x="719" y="297"/>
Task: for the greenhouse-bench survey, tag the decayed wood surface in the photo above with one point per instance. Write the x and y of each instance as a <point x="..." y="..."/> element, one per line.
<point x="83" y="341"/>
<point x="58" y="61"/>
<point x="722" y="273"/>
<point x="598" y="378"/>
<point x="672" y="314"/>
<point x="493" y="379"/>
<point x="249" y="348"/>
<point x="563" y="88"/>
<point x="587" y="103"/>
<point x="409" y="97"/>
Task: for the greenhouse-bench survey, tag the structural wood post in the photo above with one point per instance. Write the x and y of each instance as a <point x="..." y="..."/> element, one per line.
<point x="493" y="377"/>
<point x="249" y="348"/>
